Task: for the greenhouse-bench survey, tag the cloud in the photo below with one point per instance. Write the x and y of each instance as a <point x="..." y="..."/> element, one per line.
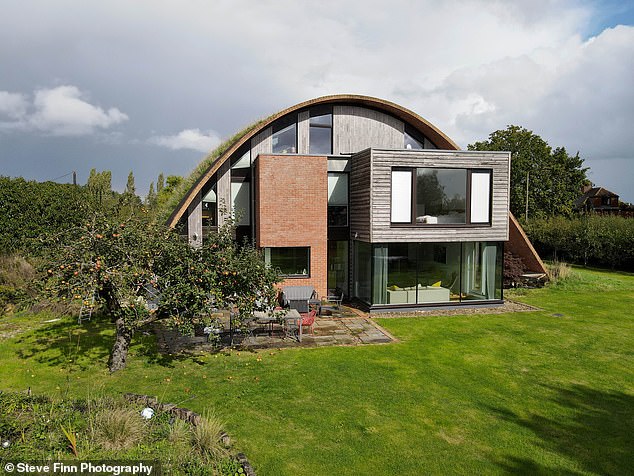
<point x="63" y="111"/>
<point x="60" y="111"/>
<point x="192" y="139"/>
<point x="12" y="105"/>
<point x="577" y="94"/>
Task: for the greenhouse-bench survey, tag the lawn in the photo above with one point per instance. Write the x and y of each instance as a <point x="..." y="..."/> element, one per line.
<point x="550" y="391"/>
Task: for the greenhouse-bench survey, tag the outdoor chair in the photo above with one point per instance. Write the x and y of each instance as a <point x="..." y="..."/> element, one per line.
<point x="308" y="320"/>
<point x="335" y="296"/>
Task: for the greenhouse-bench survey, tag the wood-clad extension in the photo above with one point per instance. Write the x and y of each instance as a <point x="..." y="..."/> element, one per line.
<point x="370" y="186"/>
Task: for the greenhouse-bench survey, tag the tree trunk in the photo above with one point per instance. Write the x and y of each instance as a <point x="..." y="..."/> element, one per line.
<point x="119" y="352"/>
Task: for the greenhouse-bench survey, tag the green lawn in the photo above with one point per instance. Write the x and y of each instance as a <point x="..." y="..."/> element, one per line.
<point x="535" y="392"/>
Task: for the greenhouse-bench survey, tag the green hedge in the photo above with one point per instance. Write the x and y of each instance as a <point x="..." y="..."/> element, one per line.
<point x="601" y="240"/>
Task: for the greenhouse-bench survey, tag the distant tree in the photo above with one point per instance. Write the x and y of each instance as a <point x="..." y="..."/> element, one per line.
<point x="143" y="272"/>
<point x="554" y="177"/>
<point x="160" y="183"/>
<point x="150" y="200"/>
<point x="100" y="187"/>
<point x="130" y="187"/>
<point x="173" y="181"/>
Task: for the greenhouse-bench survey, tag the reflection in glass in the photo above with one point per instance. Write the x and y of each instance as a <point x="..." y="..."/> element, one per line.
<point x="240" y="202"/>
<point x="481" y="271"/>
<point x="337" y="199"/>
<point x="421" y="273"/>
<point x="320" y="134"/>
<point x="285" y="141"/>
<point x="362" y="270"/>
<point x="292" y="261"/>
<point x="411" y="143"/>
<point x="338" y="265"/>
<point x="210" y="211"/>
<point x="441" y="195"/>
<point x="243" y="162"/>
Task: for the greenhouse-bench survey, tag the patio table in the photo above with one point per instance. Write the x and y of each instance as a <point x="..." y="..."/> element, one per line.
<point x="286" y="315"/>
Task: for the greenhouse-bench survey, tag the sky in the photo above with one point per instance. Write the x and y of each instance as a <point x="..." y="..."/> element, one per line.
<point x="151" y="86"/>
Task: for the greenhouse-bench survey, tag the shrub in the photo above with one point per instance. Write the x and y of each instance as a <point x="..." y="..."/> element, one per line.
<point x="179" y="433"/>
<point x="117" y="428"/>
<point x="207" y="436"/>
<point x="16" y="279"/>
<point x="559" y="271"/>
<point x="513" y="269"/>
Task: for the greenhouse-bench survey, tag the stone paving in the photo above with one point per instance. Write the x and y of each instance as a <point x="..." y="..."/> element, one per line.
<point x="327" y="330"/>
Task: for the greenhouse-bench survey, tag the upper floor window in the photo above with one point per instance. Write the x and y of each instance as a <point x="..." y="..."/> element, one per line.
<point x="337" y="199"/>
<point x="241" y="201"/>
<point x="411" y="143"/>
<point x="284" y="139"/>
<point x="441" y="196"/>
<point x="413" y="139"/>
<point x="320" y="133"/>
<point x="243" y="161"/>
<point x="210" y="208"/>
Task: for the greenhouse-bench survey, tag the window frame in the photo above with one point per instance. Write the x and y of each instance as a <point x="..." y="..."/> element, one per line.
<point x="279" y="126"/>
<point x="291" y="276"/>
<point x="413" y="212"/>
<point x="347" y="205"/>
<point x="317" y="112"/>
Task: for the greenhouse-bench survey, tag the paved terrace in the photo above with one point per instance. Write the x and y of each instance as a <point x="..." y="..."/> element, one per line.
<point x="345" y="326"/>
<point x="342" y="327"/>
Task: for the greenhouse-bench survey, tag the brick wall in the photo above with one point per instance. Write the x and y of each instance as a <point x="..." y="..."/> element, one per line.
<point x="291" y="206"/>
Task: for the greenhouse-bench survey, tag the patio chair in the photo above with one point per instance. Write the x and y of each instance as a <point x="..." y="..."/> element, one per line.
<point x="335" y="296"/>
<point x="308" y="320"/>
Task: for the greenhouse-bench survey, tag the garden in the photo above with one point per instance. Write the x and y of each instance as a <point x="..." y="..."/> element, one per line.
<point x="547" y="391"/>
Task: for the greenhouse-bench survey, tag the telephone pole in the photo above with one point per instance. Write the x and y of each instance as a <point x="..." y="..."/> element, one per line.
<point x="527" y="180"/>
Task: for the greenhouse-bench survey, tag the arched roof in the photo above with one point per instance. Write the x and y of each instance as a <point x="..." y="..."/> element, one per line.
<point x="423" y="126"/>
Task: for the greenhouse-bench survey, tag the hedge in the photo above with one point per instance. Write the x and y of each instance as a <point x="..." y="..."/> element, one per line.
<point x="601" y="240"/>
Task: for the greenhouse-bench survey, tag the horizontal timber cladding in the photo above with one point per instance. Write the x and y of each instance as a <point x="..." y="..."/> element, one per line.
<point x="381" y="163"/>
<point x="356" y="128"/>
<point x="360" y="197"/>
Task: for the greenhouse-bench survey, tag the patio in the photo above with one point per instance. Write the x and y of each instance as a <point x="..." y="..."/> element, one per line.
<point x="342" y="326"/>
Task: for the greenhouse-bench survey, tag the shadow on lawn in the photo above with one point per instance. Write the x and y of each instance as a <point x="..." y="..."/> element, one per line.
<point x="68" y="345"/>
<point x="597" y="432"/>
<point x="80" y="347"/>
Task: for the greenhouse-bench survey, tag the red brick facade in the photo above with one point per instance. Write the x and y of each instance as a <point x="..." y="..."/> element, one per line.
<point x="291" y="207"/>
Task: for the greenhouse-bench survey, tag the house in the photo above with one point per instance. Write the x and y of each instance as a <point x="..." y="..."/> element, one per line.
<point x="597" y="199"/>
<point x="362" y="195"/>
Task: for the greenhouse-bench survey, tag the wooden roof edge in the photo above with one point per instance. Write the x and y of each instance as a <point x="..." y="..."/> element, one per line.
<point x="528" y="243"/>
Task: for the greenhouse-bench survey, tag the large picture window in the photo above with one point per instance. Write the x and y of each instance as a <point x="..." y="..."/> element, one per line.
<point x="290" y="261"/>
<point x="423" y="273"/>
<point x="440" y="196"/>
